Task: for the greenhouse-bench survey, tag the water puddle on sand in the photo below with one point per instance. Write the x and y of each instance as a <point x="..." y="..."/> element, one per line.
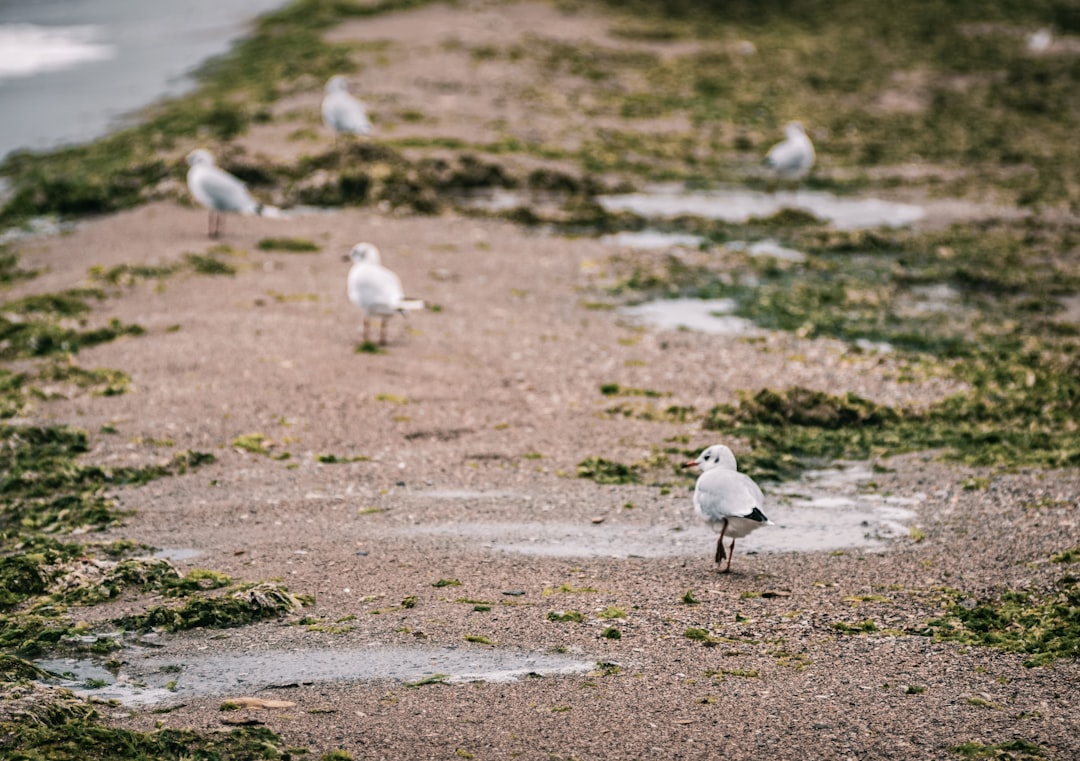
<point x="739" y="205"/>
<point x="150" y="678"/>
<point x="705" y="315"/>
<point x="824" y="511"/>
<point x="178" y="553"/>
<point x="651" y="239"/>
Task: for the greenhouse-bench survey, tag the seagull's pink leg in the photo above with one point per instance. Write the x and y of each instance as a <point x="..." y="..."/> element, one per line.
<point x="731" y="554"/>
<point x="382" y="331"/>
<point x="365" y="329"/>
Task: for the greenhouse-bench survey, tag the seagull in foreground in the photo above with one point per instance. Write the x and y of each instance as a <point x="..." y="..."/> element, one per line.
<point x="792" y="158"/>
<point x="729" y="501"/>
<point x="342" y="112"/>
<point x="221" y="192"/>
<point x="375" y="289"/>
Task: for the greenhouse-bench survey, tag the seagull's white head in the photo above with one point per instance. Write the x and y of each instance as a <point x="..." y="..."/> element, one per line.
<point x="200" y="157"/>
<point x="794" y="129"/>
<point x="716" y="456"/>
<point x="337" y="83"/>
<point x="365" y="252"/>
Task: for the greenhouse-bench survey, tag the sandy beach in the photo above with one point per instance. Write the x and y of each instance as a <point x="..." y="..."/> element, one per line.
<point x="427" y="496"/>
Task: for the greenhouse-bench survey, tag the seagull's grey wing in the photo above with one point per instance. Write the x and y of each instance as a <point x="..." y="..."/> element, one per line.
<point x="218" y="190"/>
<point x="727" y="493"/>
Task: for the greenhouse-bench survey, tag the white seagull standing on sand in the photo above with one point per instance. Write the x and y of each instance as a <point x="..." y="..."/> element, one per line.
<point x="342" y="112"/>
<point x="375" y="289"/>
<point x="220" y="192"/>
<point x="729" y="501"/>
<point x="792" y="158"/>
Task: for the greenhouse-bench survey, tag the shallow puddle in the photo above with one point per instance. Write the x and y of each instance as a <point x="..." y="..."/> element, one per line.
<point x="148" y="678"/>
<point x="705" y="315"/>
<point x="178" y="553"/>
<point x="651" y="239"/>
<point x="739" y="205"/>
<point x="824" y="511"/>
<point x="767" y="247"/>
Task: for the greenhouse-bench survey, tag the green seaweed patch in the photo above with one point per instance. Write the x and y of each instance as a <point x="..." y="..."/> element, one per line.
<point x="607" y="471"/>
<point x="428" y="680"/>
<point x="132" y="274"/>
<point x="39" y="338"/>
<point x="703" y="636"/>
<point x="672" y="413"/>
<point x="1071" y="555"/>
<point x="247" y="605"/>
<point x="567" y="616"/>
<point x="614" y="389"/>
<point x="47" y="489"/>
<point x="1042" y="627"/>
<point x="790" y="430"/>
<point x="859" y="627"/>
<point x="255" y="443"/>
<point x="209" y="264"/>
<point x="446" y="583"/>
<point x="61" y="733"/>
<point x="369" y="347"/>
<point x="1012" y="750"/>
<point x="331" y="459"/>
<point x="721" y="674"/>
<point x="289" y="245"/>
<point x="688" y="598"/>
<point x="479" y="639"/>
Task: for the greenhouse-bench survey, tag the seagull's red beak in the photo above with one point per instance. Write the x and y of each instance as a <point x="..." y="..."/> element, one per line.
<point x="691" y="464"/>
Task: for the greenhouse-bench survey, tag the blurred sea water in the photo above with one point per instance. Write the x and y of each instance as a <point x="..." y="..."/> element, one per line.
<point x="71" y="70"/>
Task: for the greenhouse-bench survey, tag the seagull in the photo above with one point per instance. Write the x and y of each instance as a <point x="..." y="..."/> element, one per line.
<point x="341" y="112"/>
<point x="729" y="501"/>
<point x="375" y="289"/>
<point x="792" y="158"/>
<point x="220" y="192"/>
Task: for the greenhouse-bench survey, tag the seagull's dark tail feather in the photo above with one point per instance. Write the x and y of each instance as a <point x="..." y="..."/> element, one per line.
<point x="757" y="515"/>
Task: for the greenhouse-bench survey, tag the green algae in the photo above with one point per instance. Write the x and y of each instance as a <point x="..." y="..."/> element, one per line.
<point x="569" y="616"/>
<point x="247" y="605"/>
<point x="605" y="471"/>
<point x="289" y="245"/>
<point x="1011" y="750"/>
<point x="1041" y="626"/>
<point x="88" y="739"/>
<point x="1001" y="421"/>
<point x="209" y="264"/>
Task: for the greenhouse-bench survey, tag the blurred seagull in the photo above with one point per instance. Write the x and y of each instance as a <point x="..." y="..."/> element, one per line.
<point x="375" y="289"/>
<point x="792" y="158"/>
<point x="220" y="192"/>
<point x="729" y="501"/>
<point x="342" y="112"/>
